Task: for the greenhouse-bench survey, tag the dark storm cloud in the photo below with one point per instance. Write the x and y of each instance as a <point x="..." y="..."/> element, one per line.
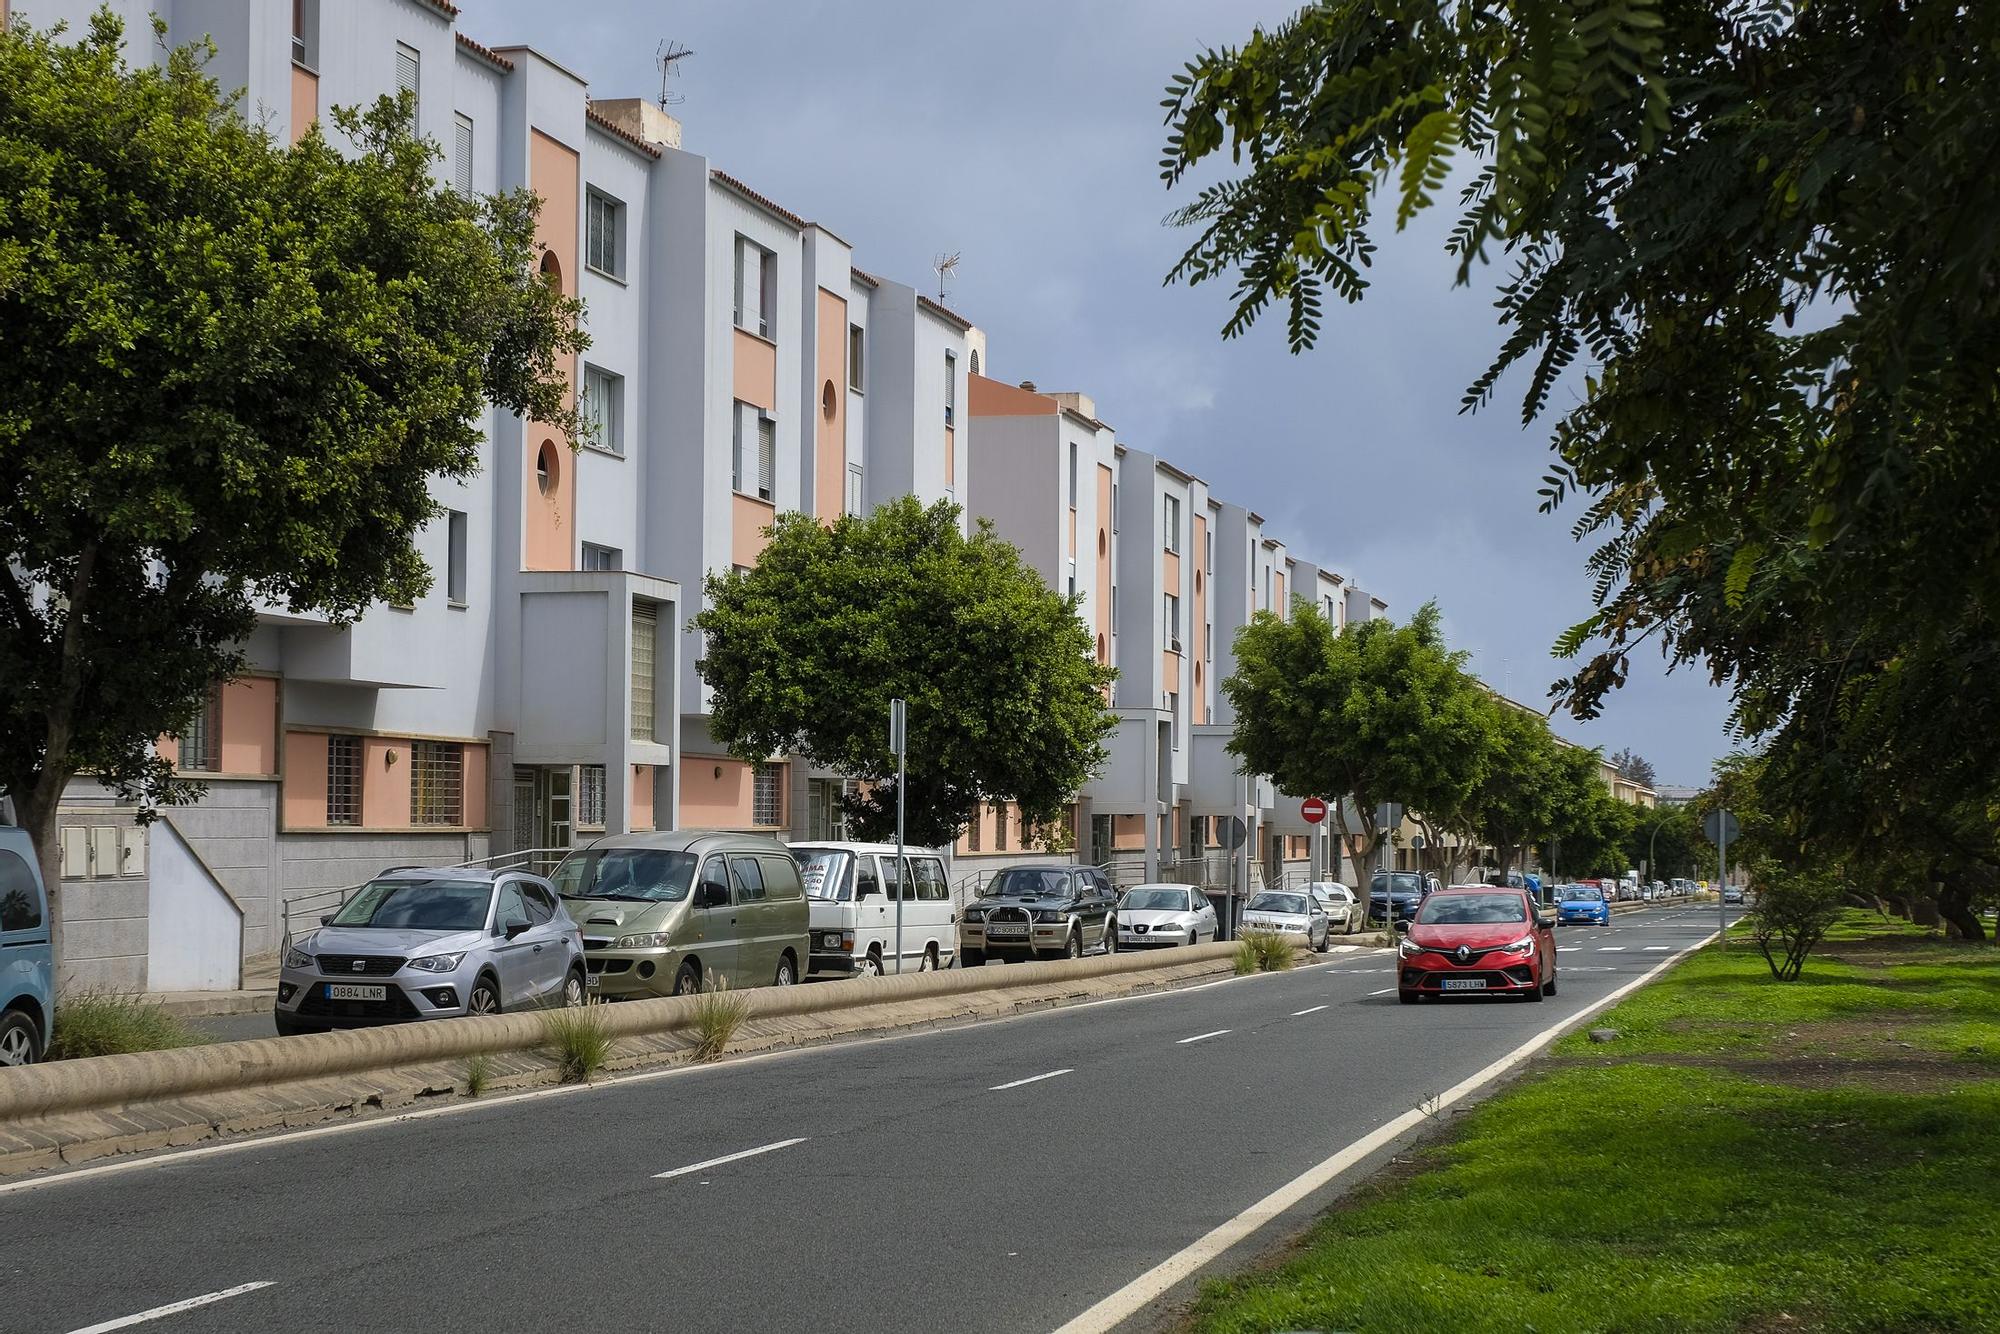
<point x="1026" y="137"/>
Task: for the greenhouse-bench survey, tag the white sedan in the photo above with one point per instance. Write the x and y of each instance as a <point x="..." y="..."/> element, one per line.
<point x="1155" y="916"/>
<point x="1341" y="905"/>
<point x="1289" y="912"/>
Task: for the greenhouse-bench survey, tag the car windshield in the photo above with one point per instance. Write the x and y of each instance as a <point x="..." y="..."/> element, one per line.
<point x="1578" y="894"/>
<point x="1024" y="883"/>
<point x="1162" y="900"/>
<point x="641" y="875"/>
<point x="1332" y="893"/>
<point x="1268" y="902"/>
<point x="825" y="872"/>
<point x="1473" y="909"/>
<point x="417" y="905"/>
<point x="1401" y="882"/>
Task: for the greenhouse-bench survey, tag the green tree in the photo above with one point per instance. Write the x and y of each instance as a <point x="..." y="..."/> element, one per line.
<point x="233" y="367"/>
<point x="1377" y="713"/>
<point x="1592" y="838"/>
<point x="1668" y="841"/>
<point x="805" y="650"/>
<point x="1525" y="788"/>
<point x="1766" y="226"/>
<point x="1634" y="766"/>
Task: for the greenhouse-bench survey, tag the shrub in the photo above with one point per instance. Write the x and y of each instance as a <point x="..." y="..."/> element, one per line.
<point x="103" y="1023"/>
<point x="1263" y="952"/>
<point x="578" y="1039"/>
<point x="478" y="1073"/>
<point x="718" y="1013"/>
<point x="1792" y="912"/>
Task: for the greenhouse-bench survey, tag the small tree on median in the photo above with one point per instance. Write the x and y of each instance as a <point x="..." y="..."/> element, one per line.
<point x="1792" y="914"/>
<point x="233" y="367"/>
<point x="805" y="650"/>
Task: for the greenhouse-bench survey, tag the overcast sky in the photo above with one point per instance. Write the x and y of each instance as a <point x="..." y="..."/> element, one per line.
<point x="1026" y="137"/>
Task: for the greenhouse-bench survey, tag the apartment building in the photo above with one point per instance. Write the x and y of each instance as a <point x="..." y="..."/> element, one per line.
<point x="543" y="692"/>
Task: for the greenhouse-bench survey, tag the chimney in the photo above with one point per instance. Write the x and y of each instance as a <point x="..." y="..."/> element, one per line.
<point x="637" y="116"/>
<point x="1028" y="385"/>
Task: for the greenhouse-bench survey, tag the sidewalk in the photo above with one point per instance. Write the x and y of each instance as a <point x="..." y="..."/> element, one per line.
<point x="259" y="992"/>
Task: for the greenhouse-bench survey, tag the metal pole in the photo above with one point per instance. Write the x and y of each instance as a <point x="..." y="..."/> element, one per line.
<point x="899" y="738"/>
<point x="1722" y="882"/>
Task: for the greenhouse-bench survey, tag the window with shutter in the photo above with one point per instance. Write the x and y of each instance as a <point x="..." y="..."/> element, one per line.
<point x="455" y="579"/>
<point x="408" y="77"/>
<point x="462" y="156"/>
<point x="767" y="458"/>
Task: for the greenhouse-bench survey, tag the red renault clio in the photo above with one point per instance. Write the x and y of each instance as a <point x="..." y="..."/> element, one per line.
<point x="1476" y="940"/>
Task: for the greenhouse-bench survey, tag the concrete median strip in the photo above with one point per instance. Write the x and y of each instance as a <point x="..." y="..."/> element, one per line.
<point x="72" y="1111"/>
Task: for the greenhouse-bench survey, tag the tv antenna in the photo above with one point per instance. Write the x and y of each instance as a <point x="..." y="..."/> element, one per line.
<point x="668" y="56"/>
<point x="944" y="266"/>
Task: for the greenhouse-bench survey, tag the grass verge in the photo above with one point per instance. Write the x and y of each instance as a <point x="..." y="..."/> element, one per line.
<point x="1262" y="952"/>
<point x="578" y="1039"/>
<point x="478" y="1074"/>
<point x="718" y="1013"/>
<point x="1747" y="1155"/>
<point x="104" y="1023"/>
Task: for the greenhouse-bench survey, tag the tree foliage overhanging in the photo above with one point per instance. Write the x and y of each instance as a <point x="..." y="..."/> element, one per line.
<point x="1005" y="698"/>
<point x="233" y="367"/>
<point x="1768" y="228"/>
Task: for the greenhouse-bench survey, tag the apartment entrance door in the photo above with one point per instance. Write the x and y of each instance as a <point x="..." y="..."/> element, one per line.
<point x="542" y="817"/>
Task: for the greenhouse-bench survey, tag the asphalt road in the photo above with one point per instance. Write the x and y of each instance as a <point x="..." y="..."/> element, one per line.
<point x="1001" y="1176"/>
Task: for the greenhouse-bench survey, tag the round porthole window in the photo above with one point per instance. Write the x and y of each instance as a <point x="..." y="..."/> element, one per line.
<point x="548" y="468"/>
<point x="551" y="267"/>
<point x="828" y="400"/>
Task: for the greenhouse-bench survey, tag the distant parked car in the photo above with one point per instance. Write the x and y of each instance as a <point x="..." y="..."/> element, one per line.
<point x="1156" y="916"/>
<point x="851" y="889"/>
<point x="1583" y="903"/>
<point x="1477" y="940"/>
<point x="673" y="912"/>
<point x="27" y="961"/>
<point x="432" y="943"/>
<point x="1288" y="912"/>
<point x="1340" y="903"/>
<point x="1401" y="890"/>
<point x="1037" y="912"/>
<point x="1732" y="893"/>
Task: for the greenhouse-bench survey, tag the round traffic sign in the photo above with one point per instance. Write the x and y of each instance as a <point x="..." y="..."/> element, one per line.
<point x="1313" y="809"/>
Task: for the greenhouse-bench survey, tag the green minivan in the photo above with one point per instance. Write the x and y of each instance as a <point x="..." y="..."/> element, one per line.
<point x="670" y="914"/>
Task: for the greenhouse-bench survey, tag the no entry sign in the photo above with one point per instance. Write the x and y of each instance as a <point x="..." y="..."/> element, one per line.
<point x="1313" y="809"/>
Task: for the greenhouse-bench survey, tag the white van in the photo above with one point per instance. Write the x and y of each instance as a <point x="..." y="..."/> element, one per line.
<point x="851" y="891"/>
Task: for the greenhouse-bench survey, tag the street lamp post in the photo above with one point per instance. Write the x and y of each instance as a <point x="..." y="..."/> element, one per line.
<point x="1653" y="847"/>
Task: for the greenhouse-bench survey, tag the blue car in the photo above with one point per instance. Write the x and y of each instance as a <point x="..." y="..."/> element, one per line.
<point x="27" y="959"/>
<point x="1584" y="904"/>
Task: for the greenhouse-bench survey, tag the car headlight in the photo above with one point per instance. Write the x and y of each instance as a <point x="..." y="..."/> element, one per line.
<point x="298" y="958"/>
<point x="437" y="963"/>
<point x="975" y="915"/>
<point x="1407" y="948"/>
<point x="1048" y="916"/>
<point x="1525" y="945"/>
<point x="647" y="940"/>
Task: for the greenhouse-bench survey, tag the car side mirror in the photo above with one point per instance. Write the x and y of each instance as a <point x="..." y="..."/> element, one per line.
<point x="1402" y="926"/>
<point x="714" y="894"/>
<point x="514" y="929"/>
<point x="1545" y="919"/>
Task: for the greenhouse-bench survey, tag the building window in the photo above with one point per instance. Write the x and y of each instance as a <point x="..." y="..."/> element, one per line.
<point x="645" y="646"/>
<point x="437" y="783"/>
<point x="767" y="458"/>
<point x="604" y="409"/>
<point x="1172" y="616"/>
<point x="756" y="289"/>
<point x="972" y="831"/>
<point x="461" y="154"/>
<point x="950" y="389"/>
<point x="999" y="826"/>
<point x="454" y="561"/>
<point x="604" y="234"/>
<point x="1114" y="507"/>
<point x="409" y="77"/>
<point x="343" y="780"/>
<point x="1208" y="552"/>
<point x="972" y="363"/>
<point x="767" y="795"/>
<point x="1174" y="716"/>
<point x="854" y="488"/>
<point x="1072" y="474"/>
<point x="305" y="33"/>
<point x="856" y="353"/>
<point x="1173" y="523"/>
<point x="201" y="744"/>
<point x="590" y="796"/>
<point x="754" y="430"/>
<point x="602" y="558"/>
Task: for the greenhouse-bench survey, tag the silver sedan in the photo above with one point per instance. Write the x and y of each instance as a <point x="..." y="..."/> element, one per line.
<point x="1289" y="912"/>
<point x="1155" y="916"/>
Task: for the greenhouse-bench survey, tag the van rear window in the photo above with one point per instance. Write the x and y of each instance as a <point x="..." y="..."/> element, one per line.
<point x="20" y="900"/>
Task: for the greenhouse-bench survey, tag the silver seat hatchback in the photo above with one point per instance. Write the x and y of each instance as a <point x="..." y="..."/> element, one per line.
<point x="432" y="943"/>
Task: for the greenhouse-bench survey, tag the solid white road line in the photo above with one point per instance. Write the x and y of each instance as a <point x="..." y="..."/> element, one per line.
<point x="1313" y="1010"/>
<point x="1114" y="1310"/>
<point x="1650" y="949"/>
<point x="1568" y="949"/>
<point x="1201" y="1036"/>
<point x="173" y="1308"/>
<point x="1031" y="1079"/>
<point x="729" y="1158"/>
<point x="1610" y="949"/>
<point x="1383" y="992"/>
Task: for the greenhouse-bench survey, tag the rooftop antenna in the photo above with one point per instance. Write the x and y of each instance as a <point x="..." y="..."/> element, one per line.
<point x="668" y="56"/>
<point x="944" y="266"/>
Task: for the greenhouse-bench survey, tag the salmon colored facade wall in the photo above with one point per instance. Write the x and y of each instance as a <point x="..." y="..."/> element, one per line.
<point x="1197" y="626"/>
<point x="550" y="523"/>
<point x="385" y="787"/>
<point x="1284" y="604"/>
<point x="991" y="398"/>
<point x="1128" y="832"/>
<point x="950" y="458"/>
<point x="305" y="780"/>
<point x="305" y="98"/>
<point x="642" y="798"/>
<point x="473" y="795"/>
<point x="748" y="518"/>
<point x="830" y="428"/>
<point x="1101" y="595"/>
<point x="250" y="726"/>
<point x="754" y="371"/>
<point x="711" y="802"/>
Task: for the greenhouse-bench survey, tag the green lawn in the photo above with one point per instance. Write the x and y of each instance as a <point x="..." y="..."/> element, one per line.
<point x="1748" y="1155"/>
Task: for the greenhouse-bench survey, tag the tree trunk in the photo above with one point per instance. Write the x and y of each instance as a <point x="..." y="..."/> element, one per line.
<point x="1954" y="904"/>
<point x="37" y="808"/>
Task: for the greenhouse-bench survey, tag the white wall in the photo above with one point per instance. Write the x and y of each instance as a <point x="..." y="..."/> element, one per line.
<point x="194" y="931"/>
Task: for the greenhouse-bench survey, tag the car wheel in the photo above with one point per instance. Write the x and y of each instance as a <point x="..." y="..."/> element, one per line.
<point x="484" y="998"/>
<point x="1550" y="989"/>
<point x="687" y="982"/>
<point x="1194" y="937"/>
<point x="1110" y="936"/>
<point x="573" y="988"/>
<point x="1073" y="948"/>
<point x="871" y="966"/>
<point x="971" y="958"/>
<point x="787" y="973"/>
<point x="1536" y="992"/>
<point x="1408" y="997"/>
<point x="929" y="963"/>
<point x="20" y="1040"/>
